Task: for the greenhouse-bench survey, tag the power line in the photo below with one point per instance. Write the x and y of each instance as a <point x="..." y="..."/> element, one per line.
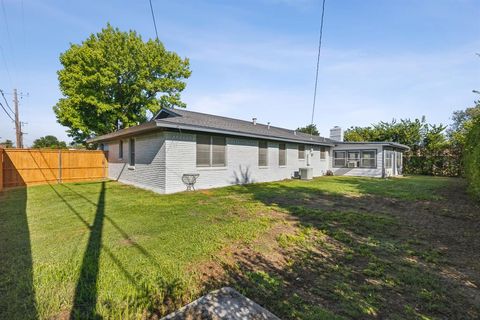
<point x="6" y="112"/>
<point x="318" y="63"/>
<point x="6" y="65"/>
<point x="8" y="106"/>
<point x="153" y="17"/>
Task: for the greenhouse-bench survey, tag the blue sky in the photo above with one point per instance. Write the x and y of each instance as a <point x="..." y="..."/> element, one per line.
<point x="380" y="59"/>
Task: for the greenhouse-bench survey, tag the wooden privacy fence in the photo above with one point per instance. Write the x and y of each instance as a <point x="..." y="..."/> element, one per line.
<point x="24" y="167"/>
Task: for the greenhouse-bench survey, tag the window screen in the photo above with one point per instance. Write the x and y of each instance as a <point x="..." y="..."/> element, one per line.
<point x="132" y="152"/>
<point x="262" y="153"/>
<point x="301" y="151"/>
<point x="282" y="154"/>
<point x="203" y="150"/>
<point x="218" y="151"/>
<point x="120" y="149"/>
<point x="339" y="159"/>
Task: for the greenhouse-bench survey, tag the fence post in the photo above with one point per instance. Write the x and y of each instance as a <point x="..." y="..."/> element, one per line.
<point x="105" y="164"/>
<point x="1" y="169"/>
<point x="59" y="166"/>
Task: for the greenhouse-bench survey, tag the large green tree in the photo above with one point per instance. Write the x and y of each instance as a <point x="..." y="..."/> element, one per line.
<point x="49" y="142"/>
<point x="114" y="79"/>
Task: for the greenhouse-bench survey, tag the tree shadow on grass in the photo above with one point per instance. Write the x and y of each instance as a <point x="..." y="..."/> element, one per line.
<point x="152" y="295"/>
<point x="359" y="257"/>
<point x="85" y="298"/>
<point x="17" y="292"/>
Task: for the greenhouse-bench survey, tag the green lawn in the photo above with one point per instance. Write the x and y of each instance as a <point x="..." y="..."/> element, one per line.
<point x="349" y="248"/>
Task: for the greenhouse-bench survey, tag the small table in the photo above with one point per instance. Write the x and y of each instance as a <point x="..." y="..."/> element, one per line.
<point x="190" y="179"/>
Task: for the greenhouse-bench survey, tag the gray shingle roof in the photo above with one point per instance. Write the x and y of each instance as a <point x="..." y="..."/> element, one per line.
<point x="178" y="119"/>
<point x="212" y="123"/>
<point x="196" y="121"/>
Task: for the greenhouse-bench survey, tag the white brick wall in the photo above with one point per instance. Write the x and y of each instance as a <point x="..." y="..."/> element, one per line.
<point x="149" y="169"/>
<point x="162" y="158"/>
<point x="242" y="163"/>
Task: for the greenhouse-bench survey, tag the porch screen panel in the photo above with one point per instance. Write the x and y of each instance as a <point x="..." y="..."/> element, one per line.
<point x="218" y="151"/>
<point x="388" y="159"/>
<point x="262" y="153"/>
<point x="368" y="159"/>
<point x="282" y="154"/>
<point x="203" y="150"/>
<point x="339" y="159"/>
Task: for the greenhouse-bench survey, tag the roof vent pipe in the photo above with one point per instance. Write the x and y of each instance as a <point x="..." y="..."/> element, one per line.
<point x="254" y="121"/>
<point x="295" y="132"/>
<point x="268" y="125"/>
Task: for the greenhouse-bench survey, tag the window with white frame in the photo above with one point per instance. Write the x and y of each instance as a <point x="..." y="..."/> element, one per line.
<point x="323" y="153"/>
<point x="120" y="149"/>
<point x="262" y="153"/>
<point x="132" y="152"/>
<point x="282" y="154"/>
<point x="211" y="151"/>
<point x="301" y="152"/>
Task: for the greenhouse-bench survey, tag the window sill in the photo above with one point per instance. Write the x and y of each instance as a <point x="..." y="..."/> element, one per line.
<point x="263" y="167"/>
<point x="282" y="166"/>
<point x="211" y="168"/>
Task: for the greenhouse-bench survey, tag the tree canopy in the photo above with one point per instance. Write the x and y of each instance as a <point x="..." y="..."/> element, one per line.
<point x="114" y="79"/>
<point x="6" y="144"/>
<point x="429" y="147"/>
<point x="310" y="129"/>
<point x="49" y="142"/>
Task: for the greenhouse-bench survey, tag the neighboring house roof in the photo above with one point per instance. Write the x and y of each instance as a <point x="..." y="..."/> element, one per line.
<point x="383" y="143"/>
<point x="196" y="121"/>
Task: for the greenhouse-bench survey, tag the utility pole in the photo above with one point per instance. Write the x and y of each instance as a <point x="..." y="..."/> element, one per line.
<point x="18" y="124"/>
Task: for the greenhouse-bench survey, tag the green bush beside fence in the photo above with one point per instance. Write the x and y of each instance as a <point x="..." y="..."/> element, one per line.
<point x="472" y="159"/>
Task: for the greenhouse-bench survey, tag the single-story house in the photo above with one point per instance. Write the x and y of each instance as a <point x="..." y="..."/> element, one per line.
<point x="158" y="154"/>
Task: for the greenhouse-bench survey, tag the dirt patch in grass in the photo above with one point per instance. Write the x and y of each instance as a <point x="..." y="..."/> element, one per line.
<point x="362" y="257"/>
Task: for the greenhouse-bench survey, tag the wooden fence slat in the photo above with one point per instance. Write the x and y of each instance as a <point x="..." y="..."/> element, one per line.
<point x="23" y="167"/>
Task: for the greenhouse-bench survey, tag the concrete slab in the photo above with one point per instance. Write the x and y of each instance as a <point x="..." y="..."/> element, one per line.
<point x="225" y="303"/>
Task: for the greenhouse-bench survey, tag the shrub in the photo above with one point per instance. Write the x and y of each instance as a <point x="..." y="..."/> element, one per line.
<point x="329" y="173"/>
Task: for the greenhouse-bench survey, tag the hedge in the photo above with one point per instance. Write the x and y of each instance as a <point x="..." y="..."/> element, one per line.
<point x="472" y="159"/>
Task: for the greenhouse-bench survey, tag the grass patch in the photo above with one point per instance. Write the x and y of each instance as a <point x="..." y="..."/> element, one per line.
<point x="110" y="249"/>
<point x="361" y="248"/>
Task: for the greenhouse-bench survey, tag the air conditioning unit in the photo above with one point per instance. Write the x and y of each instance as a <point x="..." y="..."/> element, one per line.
<point x="306" y="173"/>
<point x="352" y="164"/>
